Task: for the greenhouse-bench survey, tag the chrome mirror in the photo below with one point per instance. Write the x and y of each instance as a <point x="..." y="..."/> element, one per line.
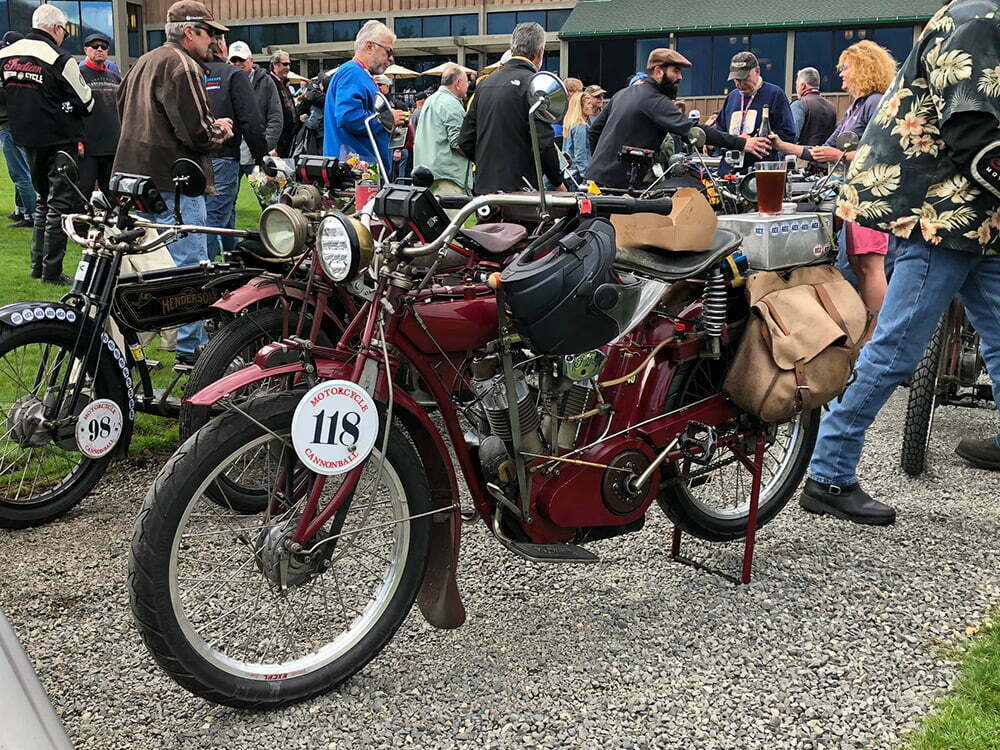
<point x="847" y="141"/>
<point x="696" y="137"/>
<point x="383" y="110"/>
<point x="549" y="96"/>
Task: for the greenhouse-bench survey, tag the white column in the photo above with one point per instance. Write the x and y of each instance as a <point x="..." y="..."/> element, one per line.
<point x="790" y="62"/>
<point x="563" y="58"/>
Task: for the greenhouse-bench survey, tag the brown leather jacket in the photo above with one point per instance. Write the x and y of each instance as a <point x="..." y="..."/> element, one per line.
<point x="165" y="116"/>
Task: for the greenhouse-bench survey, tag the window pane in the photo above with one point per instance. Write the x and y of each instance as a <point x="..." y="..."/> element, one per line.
<point x="134" y="25"/>
<point x="318" y="31"/>
<point x="698" y="78"/>
<point x="280" y="33"/>
<point x="408" y="28"/>
<point x="814" y="49"/>
<point x="312" y="68"/>
<point x="98" y="16"/>
<point x="4" y="26"/>
<point x="238" y="34"/>
<point x="345" y="31"/>
<point x="437" y="26"/>
<point x="723" y="49"/>
<point x="770" y="51"/>
<point x="898" y="40"/>
<point x="20" y="14"/>
<point x="466" y="24"/>
<point x="500" y="23"/>
<point x="155" y="39"/>
<point x="644" y="46"/>
<point x="527" y="16"/>
<point x="550" y="62"/>
<point x="556" y="19"/>
<point x="74" y="42"/>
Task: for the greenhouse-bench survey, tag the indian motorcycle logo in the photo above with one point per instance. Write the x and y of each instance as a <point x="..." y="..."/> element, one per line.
<point x="19" y="69"/>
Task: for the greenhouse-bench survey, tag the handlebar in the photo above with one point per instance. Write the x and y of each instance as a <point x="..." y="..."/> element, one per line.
<point x="165" y="233"/>
<point x="624" y="204"/>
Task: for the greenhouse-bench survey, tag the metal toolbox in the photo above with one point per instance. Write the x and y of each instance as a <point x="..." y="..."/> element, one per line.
<point x="775" y="241"/>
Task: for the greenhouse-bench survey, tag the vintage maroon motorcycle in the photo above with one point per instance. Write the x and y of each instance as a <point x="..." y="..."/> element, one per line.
<point x="576" y="387"/>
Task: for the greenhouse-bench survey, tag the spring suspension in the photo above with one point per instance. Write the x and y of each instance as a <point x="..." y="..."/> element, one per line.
<point x="713" y="315"/>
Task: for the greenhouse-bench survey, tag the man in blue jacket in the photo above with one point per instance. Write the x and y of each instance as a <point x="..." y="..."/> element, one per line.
<point x="351" y="96"/>
<point x="741" y="113"/>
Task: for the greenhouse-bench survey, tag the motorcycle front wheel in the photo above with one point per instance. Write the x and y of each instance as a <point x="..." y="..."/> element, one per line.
<point x="42" y="473"/>
<point x="225" y="606"/>
<point x="716" y="506"/>
<point x="922" y="400"/>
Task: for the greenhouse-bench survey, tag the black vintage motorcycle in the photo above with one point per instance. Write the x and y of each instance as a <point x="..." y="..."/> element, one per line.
<point x="69" y="389"/>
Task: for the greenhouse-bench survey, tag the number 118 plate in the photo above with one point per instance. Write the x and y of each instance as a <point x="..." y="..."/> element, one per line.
<point x="334" y="427"/>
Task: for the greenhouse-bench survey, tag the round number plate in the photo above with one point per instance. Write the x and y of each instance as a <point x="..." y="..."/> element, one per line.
<point x="99" y="428"/>
<point x="334" y="427"/>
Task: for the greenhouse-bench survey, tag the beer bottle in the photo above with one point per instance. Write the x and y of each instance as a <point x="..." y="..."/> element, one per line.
<point x="765" y="122"/>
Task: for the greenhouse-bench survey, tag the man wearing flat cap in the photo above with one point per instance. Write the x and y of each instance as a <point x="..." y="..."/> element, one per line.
<point x="741" y="112"/>
<point x="102" y="128"/>
<point x="642" y="114"/>
<point x="165" y="115"/>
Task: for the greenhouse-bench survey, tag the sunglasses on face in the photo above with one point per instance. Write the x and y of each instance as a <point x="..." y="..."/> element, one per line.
<point x="98" y="45"/>
<point x="388" y="50"/>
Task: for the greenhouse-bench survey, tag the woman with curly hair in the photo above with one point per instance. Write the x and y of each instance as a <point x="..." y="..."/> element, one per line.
<point x="866" y="70"/>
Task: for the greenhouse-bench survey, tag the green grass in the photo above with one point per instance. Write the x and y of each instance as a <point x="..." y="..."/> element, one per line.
<point x="152" y="434"/>
<point x="969" y="719"/>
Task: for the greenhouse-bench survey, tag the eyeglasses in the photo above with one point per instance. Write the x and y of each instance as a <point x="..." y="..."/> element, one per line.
<point x="388" y="50"/>
<point x="65" y="30"/>
<point x="209" y="30"/>
<point x="284" y="63"/>
<point x="98" y="45"/>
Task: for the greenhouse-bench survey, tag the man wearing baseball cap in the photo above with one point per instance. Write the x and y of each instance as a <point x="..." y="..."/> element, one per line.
<point x="103" y="126"/>
<point x="165" y="116"/>
<point x="641" y="115"/>
<point x="741" y="112"/>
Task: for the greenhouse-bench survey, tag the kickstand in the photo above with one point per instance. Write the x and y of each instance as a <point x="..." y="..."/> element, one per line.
<point x="756" y="469"/>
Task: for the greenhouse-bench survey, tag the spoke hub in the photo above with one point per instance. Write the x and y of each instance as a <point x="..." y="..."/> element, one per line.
<point x="279" y="564"/>
<point x="26" y="422"/>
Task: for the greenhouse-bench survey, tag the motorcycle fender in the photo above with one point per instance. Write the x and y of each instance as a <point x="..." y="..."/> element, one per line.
<point x="439" y="599"/>
<point x="253" y="292"/>
<point x="19" y="314"/>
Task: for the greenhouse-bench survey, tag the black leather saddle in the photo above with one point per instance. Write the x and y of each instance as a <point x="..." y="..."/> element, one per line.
<point x="493" y="239"/>
<point x="670" y="265"/>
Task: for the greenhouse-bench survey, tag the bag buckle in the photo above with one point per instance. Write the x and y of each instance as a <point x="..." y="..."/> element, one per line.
<point x="833" y="489"/>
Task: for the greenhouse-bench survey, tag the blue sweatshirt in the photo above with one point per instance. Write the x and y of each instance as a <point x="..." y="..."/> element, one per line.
<point x="740" y="115"/>
<point x="350" y="100"/>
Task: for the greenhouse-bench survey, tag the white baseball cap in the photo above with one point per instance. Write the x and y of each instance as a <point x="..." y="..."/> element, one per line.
<point x="240" y="51"/>
<point x="694" y="114"/>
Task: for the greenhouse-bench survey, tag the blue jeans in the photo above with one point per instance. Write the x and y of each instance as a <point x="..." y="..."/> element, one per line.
<point x="20" y="173"/>
<point x="924" y="282"/>
<point x="221" y="208"/>
<point x="229" y="242"/>
<point x="188" y="251"/>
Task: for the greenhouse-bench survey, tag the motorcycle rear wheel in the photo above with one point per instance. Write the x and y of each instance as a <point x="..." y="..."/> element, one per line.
<point x="38" y="483"/>
<point x="716" y="506"/>
<point x="201" y="577"/>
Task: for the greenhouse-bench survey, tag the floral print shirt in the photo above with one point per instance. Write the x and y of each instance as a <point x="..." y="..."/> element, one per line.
<point x="903" y="178"/>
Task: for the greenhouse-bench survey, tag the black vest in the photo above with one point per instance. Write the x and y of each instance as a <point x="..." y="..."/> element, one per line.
<point x="821" y="119"/>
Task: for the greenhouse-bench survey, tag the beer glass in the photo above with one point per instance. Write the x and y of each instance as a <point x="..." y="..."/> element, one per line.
<point x="770" y="177"/>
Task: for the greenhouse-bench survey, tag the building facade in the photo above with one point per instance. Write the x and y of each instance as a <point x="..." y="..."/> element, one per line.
<point x="607" y="41"/>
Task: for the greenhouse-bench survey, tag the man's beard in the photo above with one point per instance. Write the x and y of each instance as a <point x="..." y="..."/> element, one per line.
<point x="667" y="88"/>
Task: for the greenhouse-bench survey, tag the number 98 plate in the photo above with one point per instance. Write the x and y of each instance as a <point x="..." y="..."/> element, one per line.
<point x="99" y="427"/>
<point x="334" y="427"/>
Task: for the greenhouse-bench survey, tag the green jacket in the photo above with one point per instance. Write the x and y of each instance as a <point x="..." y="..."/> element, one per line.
<point x="436" y="138"/>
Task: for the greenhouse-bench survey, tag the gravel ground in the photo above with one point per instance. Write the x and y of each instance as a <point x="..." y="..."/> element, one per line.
<point x="844" y="639"/>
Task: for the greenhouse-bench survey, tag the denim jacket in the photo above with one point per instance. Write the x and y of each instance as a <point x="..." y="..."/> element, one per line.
<point x="577" y="149"/>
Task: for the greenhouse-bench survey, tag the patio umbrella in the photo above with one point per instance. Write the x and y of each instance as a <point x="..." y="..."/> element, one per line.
<point x="439" y="69"/>
<point x="398" y="71"/>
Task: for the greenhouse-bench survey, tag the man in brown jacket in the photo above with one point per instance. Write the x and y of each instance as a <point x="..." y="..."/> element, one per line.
<point x="165" y="116"/>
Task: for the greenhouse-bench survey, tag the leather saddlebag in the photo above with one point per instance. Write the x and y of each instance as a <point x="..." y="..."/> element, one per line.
<point x="799" y="348"/>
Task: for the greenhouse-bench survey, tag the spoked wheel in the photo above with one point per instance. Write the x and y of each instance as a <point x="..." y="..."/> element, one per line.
<point x="42" y="473"/>
<point x="230" y="609"/>
<point x="716" y="505"/>
<point x="229" y="351"/>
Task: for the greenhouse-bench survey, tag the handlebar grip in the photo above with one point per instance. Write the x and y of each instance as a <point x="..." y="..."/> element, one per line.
<point x="453" y="201"/>
<point x="130" y="236"/>
<point x="626" y="204"/>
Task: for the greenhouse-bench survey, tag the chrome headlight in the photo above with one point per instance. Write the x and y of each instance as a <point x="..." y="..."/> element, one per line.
<point x="283" y="230"/>
<point x="344" y="246"/>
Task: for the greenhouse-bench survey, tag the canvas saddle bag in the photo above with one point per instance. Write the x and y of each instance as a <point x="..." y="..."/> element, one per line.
<point x="803" y="337"/>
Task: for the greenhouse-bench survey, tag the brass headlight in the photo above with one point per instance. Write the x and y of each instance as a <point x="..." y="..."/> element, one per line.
<point x="283" y="230"/>
<point x="344" y="246"/>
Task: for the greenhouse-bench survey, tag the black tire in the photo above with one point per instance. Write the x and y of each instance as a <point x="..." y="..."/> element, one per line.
<point x="920" y="403"/>
<point x="50" y="497"/>
<point x="702" y="519"/>
<point x="191" y="661"/>
<point x="229" y="350"/>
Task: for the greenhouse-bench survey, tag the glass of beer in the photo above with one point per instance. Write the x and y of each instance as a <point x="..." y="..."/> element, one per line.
<point x="770" y="176"/>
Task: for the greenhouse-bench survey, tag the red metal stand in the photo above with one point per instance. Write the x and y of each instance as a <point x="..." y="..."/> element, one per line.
<point x="756" y="469"/>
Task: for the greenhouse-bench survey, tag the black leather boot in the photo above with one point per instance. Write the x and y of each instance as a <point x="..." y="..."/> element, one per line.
<point x="849" y="503"/>
<point x="982" y="453"/>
